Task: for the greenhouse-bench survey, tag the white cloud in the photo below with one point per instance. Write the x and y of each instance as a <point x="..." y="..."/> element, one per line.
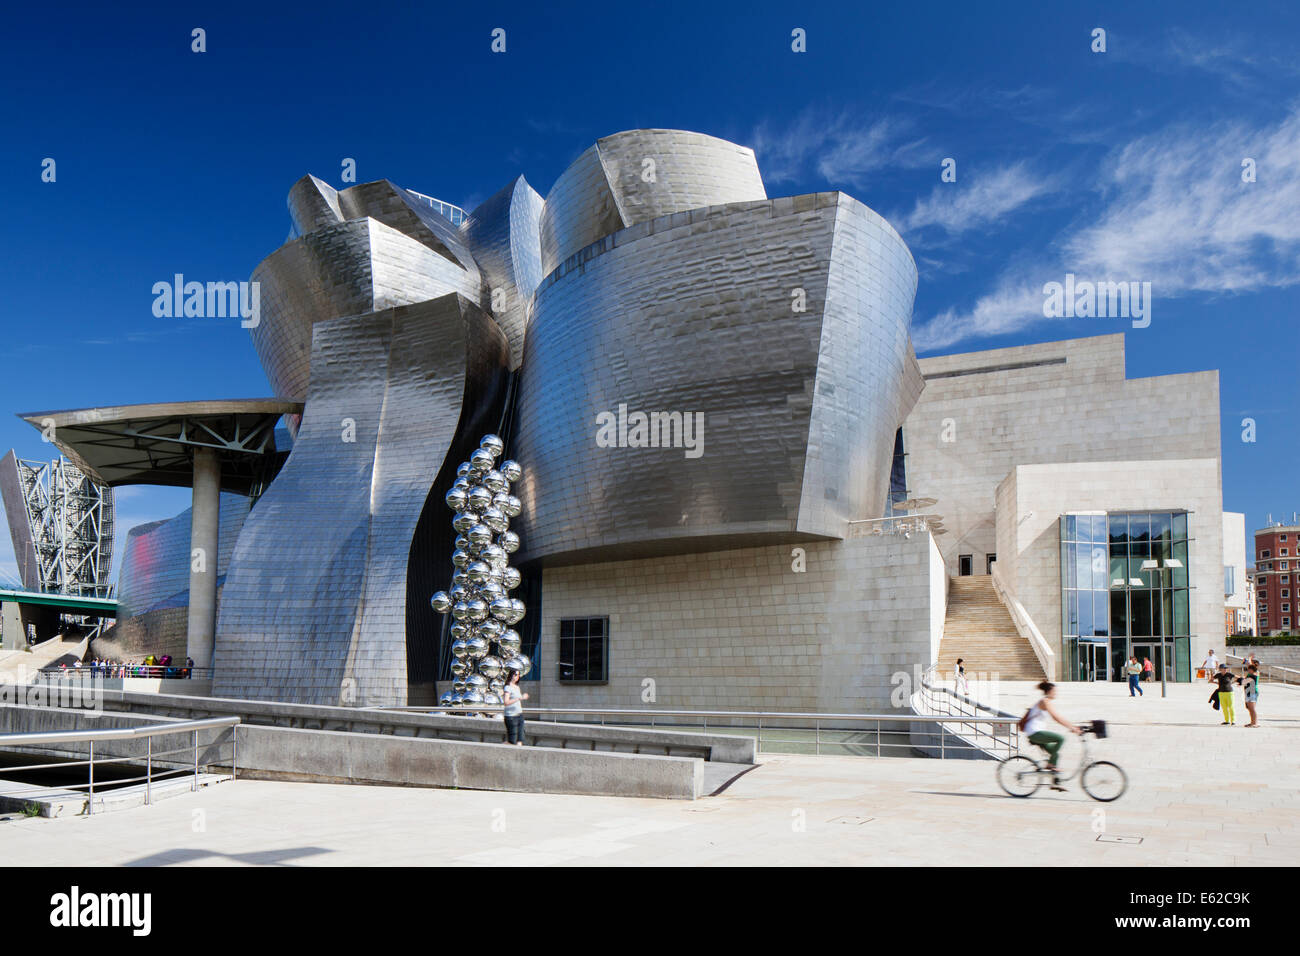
<point x="975" y="200"/>
<point x="1171" y="210"/>
<point x="840" y="148"/>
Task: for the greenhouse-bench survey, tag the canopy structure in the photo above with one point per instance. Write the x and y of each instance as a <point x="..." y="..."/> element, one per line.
<point x="211" y="447"/>
<point x="156" y="444"/>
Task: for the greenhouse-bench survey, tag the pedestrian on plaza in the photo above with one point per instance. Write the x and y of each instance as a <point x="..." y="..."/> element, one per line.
<point x="1147" y="668"/>
<point x="1134" y="670"/>
<point x="1251" y="686"/>
<point x="1225" y="678"/>
<point x="513" y="698"/>
<point x="1210" y="664"/>
<point x="959" y="674"/>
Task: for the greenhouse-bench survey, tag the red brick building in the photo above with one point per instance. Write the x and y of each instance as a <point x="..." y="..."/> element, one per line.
<point x="1277" y="577"/>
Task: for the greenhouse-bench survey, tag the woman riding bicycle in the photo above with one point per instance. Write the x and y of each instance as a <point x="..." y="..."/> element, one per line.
<point x="1034" y="725"/>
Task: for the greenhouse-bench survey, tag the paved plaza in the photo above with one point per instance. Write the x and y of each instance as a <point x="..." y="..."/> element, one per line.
<point x="1199" y="794"/>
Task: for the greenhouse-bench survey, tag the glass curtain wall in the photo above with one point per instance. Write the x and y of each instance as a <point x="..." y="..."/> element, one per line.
<point x="1124" y="583"/>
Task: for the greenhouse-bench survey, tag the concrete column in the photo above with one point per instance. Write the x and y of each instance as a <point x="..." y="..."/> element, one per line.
<point x="202" y="628"/>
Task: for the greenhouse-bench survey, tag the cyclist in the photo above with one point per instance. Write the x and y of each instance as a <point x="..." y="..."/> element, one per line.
<point x="1034" y="725"/>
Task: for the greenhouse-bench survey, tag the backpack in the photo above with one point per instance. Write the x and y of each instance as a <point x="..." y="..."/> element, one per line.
<point x="1024" y="720"/>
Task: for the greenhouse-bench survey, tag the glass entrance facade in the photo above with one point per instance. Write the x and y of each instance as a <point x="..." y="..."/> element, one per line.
<point x="1124" y="587"/>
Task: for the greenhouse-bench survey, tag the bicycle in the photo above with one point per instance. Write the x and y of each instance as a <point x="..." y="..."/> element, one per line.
<point x="1021" y="776"/>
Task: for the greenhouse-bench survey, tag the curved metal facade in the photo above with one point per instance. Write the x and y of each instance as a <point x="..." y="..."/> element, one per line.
<point x="350" y="268"/>
<point x="504" y="235"/>
<point x="314" y="606"/>
<point x="639" y="175"/>
<point x="697" y="313"/>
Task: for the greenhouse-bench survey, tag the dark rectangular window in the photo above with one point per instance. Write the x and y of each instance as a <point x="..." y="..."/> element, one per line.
<point x="964" y="564"/>
<point x="584" y="650"/>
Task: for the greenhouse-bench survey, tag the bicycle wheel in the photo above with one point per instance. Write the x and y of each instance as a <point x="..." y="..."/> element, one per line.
<point x="1019" y="776"/>
<point x="1104" y="781"/>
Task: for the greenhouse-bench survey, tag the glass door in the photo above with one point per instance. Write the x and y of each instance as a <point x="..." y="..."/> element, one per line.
<point x="1100" y="662"/>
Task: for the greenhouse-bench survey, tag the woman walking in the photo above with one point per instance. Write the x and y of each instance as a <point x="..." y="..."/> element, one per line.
<point x="959" y="675"/>
<point x="513" y="698"/>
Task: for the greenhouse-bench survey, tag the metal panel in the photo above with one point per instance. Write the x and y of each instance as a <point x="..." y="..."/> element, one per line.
<point x="639" y="175"/>
<point x="696" y="312"/>
<point x="504" y="234"/>
<point x="317" y="583"/>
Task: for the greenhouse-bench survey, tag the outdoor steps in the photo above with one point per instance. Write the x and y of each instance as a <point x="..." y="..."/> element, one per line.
<point x="979" y="630"/>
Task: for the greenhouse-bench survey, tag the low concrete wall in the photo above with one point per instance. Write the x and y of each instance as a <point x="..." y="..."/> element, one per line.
<point x="326" y="756"/>
<point x="545" y="734"/>
<point x="330" y="756"/>
<point x="1286" y="656"/>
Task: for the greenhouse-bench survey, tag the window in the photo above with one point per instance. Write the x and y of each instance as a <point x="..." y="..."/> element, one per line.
<point x="1283" y="552"/>
<point x="964" y="564"/>
<point x="1286" y="608"/>
<point x="1286" y="592"/>
<point x="584" y="650"/>
<point x="1265" y="553"/>
<point x="1284" y="565"/>
<point x="1281" y="537"/>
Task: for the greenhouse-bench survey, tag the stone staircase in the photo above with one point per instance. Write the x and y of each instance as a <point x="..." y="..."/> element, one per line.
<point x="979" y="629"/>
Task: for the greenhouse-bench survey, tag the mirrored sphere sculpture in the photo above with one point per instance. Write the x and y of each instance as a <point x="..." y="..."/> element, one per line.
<point x="485" y="648"/>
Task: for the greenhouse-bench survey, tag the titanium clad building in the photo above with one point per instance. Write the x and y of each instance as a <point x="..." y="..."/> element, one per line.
<point x="741" y="489"/>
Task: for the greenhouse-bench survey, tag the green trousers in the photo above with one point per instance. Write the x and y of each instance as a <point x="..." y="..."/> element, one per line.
<point x="1050" y="742"/>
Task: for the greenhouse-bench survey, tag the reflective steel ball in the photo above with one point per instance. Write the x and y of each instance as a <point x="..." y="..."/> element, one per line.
<point x="479" y="498"/>
<point x="460" y="610"/>
<point x="476" y="647"/>
<point x="460" y="649"/>
<point x="509" y="542"/>
<point x="490" y="667"/>
<point x="494" y="518"/>
<point x="478" y="571"/>
<point x="441" y="602"/>
<point x="482" y="460"/>
<point x="480" y="534"/>
<point x="501" y="609"/>
<point x="495" y="482"/>
<point x="492" y="444"/>
<point x="510" y="578"/>
<point x="511" y="470"/>
<point x="476" y="610"/>
<point x="464" y="520"/>
<point x="445" y="699"/>
<point x="456" y="499"/>
<point x="459" y="668"/>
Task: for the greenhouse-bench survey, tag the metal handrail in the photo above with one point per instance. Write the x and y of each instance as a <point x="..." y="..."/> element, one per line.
<point x="756" y="719"/>
<point x="146" y="733"/>
<point x="1266" y="670"/>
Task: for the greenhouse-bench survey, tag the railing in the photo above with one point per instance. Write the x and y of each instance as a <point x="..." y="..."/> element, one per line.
<point x="776" y="731"/>
<point x="453" y="214"/>
<point x="982" y="728"/>
<point x="1271" y="672"/>
<point x="118" y="672"/>
<point x="147" y="733"/>
<point x="896" y="524"/>
<point x="1025" y="625"/>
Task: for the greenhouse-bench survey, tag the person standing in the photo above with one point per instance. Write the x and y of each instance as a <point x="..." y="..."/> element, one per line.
<point x="1225" y="679"/>
<point x="1211" y="665"/>
<point x="1134" y="670"/>
<point x="959" y="677"/>
<point x="1147" y="669"/>
<point x="1251" y="686"/>
<point x="513" y="698"/>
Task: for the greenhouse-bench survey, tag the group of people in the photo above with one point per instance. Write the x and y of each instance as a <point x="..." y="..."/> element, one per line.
<point x="150" y="666"/>
<point x="1223" y="679"/>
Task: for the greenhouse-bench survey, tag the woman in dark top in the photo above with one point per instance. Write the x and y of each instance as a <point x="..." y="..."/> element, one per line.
<point x="1225" y="679"/>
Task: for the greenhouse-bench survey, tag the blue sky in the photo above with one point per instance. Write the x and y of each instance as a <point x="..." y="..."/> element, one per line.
<point x="1123" y="164"/>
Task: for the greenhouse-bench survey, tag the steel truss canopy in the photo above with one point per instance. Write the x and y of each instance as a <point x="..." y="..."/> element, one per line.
<point x="155" y="444"/>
